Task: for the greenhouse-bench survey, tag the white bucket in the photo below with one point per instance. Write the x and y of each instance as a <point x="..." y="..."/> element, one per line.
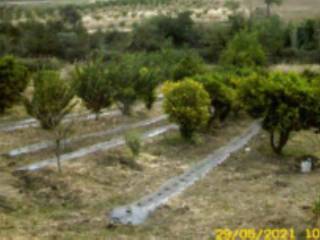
<point x="306" y="166"/>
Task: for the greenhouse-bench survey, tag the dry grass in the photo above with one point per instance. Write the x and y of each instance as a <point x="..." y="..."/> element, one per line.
<point x="73" y="205"/>
<point x="252" y="189"/>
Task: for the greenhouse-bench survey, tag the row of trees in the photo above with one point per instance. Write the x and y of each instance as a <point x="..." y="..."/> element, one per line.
<point x="286" y="102"/>
<point x="68" y="39"/>
<point x="123" y="82"/>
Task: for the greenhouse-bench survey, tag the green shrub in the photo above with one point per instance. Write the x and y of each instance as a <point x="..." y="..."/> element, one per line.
<point x="50" y="103"/>
<point x="93" y="86"/>
<point x="135" y="77"/>
<point x="213" y="40"/>
<point x="146" y="86"/>
<point x="271" y="33"/>
<point x="156" y="32"/>
<point x="51" y="99"/>
<point x="286" y="102"/>
<point x="187" y="104"/>
<point x="244" y="50"/>
<point x="13" y="81"/>
<point x="133" y="142"/>
<point x="189" y="66"/>
<point x="222" y="95"/>
<point x="54" y="38"/>
<point x="70" y="14"/>
<point x="124" y="72"/>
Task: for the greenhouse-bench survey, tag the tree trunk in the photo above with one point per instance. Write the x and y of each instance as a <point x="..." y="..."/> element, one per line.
<point x="283" y="139"/>
<point x="186" y="133"/>
<point x="58" y="153"/>
<point x="211" y="121"/>
<point x="126" y="110"/>
<point x="224" y="113"/>
<point x="97" y="117"/>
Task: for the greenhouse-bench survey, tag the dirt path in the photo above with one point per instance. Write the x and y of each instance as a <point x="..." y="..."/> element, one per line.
<point x="111" y="144"/>
<point x="137" y="212"/>
<point x="32" y="148"/>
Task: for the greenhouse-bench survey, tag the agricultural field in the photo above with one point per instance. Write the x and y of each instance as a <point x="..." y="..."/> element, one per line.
<point x="159" y="119"/>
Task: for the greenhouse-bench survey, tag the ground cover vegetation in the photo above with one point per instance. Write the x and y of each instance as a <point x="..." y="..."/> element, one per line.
<point x="174" y="56"/>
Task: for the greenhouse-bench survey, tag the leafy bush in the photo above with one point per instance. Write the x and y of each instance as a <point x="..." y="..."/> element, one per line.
<point x="271" y="33"/>
<point x="167" y="60"/>
<point x="133" y="141"/>
<point x="135" y="77"/>
<point x="70" y="14"/>
<point x="13" y="81"/>
<point x="51" y="99"/>
<point x="27" y="39"/>
<point x="244" y="50"/>
<point x="93" y="86"/>
<point x="307" y="34"/>
<point x="157" y="32"/>
<point x="187" y="104"/>
<point x="146" y="86"/>
<point x="286" y="102"/>
<point x="148" y="37"/>
<point x="124" y="72"/>
<point x="189" y="66"/>
<point x="222" y="95"/>
<point x="213" y="40"/>
<point x="50" y="103"/>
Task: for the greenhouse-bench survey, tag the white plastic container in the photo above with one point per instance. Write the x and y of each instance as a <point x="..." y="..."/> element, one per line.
<point x="306" y="166"/>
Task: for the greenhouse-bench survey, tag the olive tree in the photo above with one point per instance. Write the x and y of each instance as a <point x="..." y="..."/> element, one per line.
<point x="286" y="102"/>
<point x="187" y="103"/>
<point x="93" y="86"/>
<point x="49" y="104"/>
<point x="13" y="81"/>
